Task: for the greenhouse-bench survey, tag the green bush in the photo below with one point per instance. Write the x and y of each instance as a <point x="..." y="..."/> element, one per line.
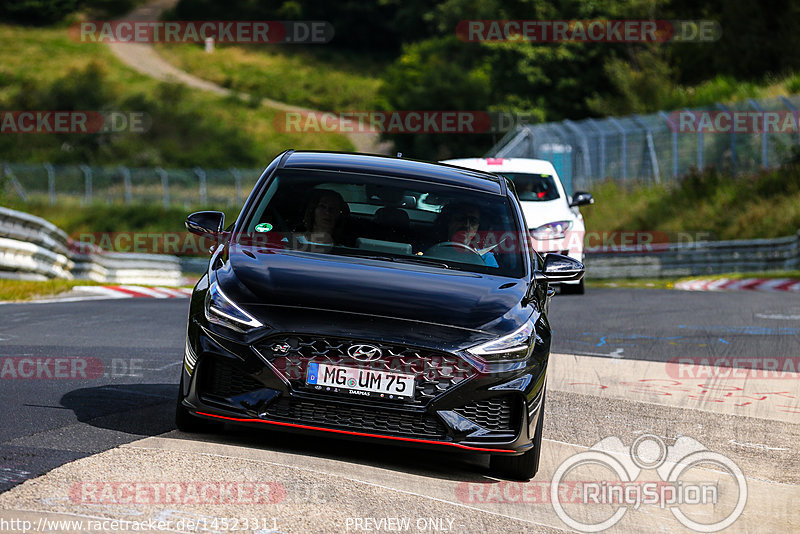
<point x="181" y="133"/>
<point x="37" y="12"/>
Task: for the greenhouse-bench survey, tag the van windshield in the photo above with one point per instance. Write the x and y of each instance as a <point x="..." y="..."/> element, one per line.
<point x="534" y="187"/>
<point x="390" y="219"/>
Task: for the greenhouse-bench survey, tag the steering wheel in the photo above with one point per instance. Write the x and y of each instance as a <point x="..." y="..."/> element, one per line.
<point x="453" y="250"/>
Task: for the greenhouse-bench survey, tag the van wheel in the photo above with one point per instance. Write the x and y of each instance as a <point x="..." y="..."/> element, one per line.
<point x="523" y="466"/>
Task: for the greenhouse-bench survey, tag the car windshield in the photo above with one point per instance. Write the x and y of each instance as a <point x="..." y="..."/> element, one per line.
<point x="389" y="219"/>
<point x="535" y="187"/>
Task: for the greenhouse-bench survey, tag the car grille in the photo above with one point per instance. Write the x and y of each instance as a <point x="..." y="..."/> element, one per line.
<point x="223" y="379"/>
<point x="355" y="418"/>
<point x="499" y="414"/>
<point x="435" y="372"/>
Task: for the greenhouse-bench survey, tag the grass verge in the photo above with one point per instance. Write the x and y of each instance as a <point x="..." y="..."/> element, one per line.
<point x="22" y="290"/>
<point x="761" y="205"/>
<point x="669" y="283"/>
<point x="309" y="76"/>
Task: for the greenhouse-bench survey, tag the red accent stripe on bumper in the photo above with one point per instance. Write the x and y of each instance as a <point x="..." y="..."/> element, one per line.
<point x="361" y="434"/>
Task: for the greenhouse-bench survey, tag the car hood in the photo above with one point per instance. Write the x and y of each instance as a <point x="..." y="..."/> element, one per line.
<point x="539" y="213"/>
<point x="259" y="276"/>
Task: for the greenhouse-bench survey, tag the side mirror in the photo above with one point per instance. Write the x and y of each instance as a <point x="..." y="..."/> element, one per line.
<point x="206" y="224"/>
<point x="581" y="198"/>
<point x="560" y="268"/>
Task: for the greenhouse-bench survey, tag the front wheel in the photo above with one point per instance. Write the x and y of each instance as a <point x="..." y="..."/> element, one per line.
<point x="573" y="289"/>
<point x="187" y="422"/>
<point x="523" y="466"/>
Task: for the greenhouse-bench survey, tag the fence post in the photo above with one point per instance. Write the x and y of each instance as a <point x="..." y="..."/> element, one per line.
<point x="674" y="129"/>
<point x="126" y="179"/>
<point x="87" y="183"/>
<point x="584" y="146"/>
<point x="622" y="132"/>
<point x="764" y="139"/>
<point x="650" y="147"/>
<point x="164" y="185"/>
<point x="51" y="183"/>
<point x="201" y="176"/>
<point x="237" y="177"/>
<point x="12" y="179"/>
<point x="601" y="152"/>
<point x="700" y="145"/>
<point x="733" y="139"/>
<point x="793" y="109"/>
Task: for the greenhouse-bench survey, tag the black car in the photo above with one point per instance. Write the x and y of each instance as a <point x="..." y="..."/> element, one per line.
<point x="375" y="298"/>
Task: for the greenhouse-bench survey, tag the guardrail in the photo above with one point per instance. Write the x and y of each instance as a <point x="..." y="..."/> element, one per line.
<point x="32" y="248"/>
<point x="700" y="258"/>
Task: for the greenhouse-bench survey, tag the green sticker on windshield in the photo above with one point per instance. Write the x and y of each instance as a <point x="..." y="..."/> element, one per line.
<point x="263" y="227"/>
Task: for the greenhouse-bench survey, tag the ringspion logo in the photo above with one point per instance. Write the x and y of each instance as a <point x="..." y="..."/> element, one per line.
<point x="607" y="474"/>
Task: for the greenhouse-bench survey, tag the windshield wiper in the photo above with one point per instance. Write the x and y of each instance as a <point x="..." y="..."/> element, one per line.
<point x="420" y="259"/>
<point x="397" y="259"/>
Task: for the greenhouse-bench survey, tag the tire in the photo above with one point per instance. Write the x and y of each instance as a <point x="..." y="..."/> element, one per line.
<point x="523" y="466"/>
<point x="186" y="422"/>
<point x="573" y="289"/>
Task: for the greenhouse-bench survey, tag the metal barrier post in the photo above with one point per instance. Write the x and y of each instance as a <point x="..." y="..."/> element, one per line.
<point x="164" y="186"/>
<point x="126" y="178"/>
<point x="201" y="176"/>
<point x="51" y="183"/>
<point x="87" y="183"/>
<point x="237" y="177"/>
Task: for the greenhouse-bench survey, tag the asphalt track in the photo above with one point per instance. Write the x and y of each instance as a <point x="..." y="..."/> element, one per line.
<point x="616" y="372"/>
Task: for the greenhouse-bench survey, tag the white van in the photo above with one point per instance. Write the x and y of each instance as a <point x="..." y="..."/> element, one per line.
<point x="554" y="220"/>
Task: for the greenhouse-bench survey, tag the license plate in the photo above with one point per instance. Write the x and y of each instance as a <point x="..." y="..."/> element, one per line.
<point x="364" y="382"/>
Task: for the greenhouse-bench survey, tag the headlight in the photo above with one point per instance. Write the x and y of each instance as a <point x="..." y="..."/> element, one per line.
<point x="513" y="346"/>
<point x="222" y="311"/>
<point x="553" y="230"/>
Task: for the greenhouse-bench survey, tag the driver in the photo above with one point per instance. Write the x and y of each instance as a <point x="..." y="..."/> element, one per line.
<point x="460" y="222"/>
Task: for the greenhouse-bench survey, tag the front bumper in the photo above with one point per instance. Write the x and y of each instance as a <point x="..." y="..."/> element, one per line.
<point x="456" y="404"/>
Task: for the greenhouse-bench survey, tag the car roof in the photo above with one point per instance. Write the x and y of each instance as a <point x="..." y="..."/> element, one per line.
<point x="398" y="167"/>
<point x="533" y="166"/>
